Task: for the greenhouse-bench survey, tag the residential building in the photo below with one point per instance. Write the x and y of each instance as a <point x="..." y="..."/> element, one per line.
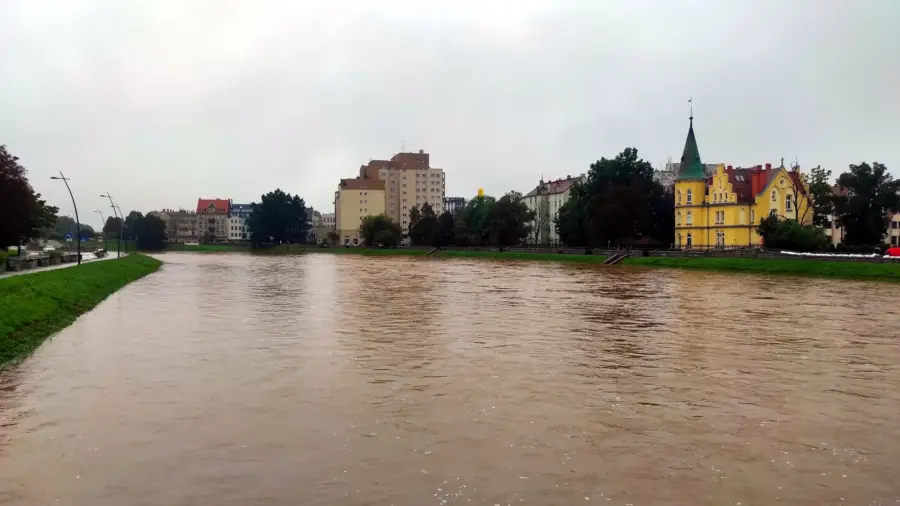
<point x="725" y="209"/>
<point x="454" y="204"/>
<point x="212" y="216"/>
<point x="409" y="181"/>
<point x="893" y="232"/>
<point x="328" y="220"/>
<point x="545" y="200"/>
<point x="181" y="225"/>
<point x="354" y="200"/>
<point x="240" y="210"/>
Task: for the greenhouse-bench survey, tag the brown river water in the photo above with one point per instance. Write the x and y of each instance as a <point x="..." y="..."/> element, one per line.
<point x="350" y="380"/>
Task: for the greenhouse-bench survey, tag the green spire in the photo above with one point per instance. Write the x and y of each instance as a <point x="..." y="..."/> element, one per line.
<point x="691" y="167"/>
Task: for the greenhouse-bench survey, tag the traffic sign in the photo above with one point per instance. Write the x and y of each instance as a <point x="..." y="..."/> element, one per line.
<point x="68" y="235"/>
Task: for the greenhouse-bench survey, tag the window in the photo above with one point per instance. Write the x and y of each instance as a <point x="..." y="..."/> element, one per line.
<point x="690" y="218"/>
<point x="773" y="213"/>
<point x="774" y="196"/>
<point x="678" y="239"/>
<point x="690" y="240"/>
<point x="752" y="216"/>
<point x="678" y="196"/>
<point x="781" y="182"/>
<point x="788" y="205"/>
<point x="690" y="197"/>
<point x="678" y="218"/>
<point x="743" y="217"/>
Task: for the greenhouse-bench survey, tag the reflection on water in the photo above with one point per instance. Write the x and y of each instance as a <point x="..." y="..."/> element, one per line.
<point x="333" y="379"/>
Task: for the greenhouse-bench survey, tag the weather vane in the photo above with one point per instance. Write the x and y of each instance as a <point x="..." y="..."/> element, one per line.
<point x="691" y="102"/>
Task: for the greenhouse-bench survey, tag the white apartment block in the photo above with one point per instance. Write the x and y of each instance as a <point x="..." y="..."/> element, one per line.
<point x="545" y="200"/>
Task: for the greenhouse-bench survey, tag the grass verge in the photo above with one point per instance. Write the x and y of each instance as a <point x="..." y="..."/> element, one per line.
<point x="35" y="306"/>
<point x="817" y="268"/>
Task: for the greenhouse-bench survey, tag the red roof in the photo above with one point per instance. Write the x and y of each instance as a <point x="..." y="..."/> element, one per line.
<point x="219" y="206"/>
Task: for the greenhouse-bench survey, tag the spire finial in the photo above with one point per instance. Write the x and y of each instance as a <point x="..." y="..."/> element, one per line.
<point x="691" y="101"/>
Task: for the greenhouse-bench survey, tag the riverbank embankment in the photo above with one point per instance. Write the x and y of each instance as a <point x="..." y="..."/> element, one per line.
<point x="35" y="306"/>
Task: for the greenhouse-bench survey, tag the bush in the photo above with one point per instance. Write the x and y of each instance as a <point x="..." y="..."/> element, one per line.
<point x="779" y="233"/>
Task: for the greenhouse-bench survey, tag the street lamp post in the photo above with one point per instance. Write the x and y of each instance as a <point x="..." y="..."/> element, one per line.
<point x="103" y="221"/>
<point x="77" y="221"/>
<point x="118" y="224"/>
<point x="123" y="226"/>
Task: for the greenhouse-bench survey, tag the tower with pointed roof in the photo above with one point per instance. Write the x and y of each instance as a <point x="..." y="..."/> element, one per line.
<point x="690" y="192"/>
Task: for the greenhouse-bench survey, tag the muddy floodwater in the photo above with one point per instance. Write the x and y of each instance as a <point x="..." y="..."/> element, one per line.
<point x="349" y="380"/>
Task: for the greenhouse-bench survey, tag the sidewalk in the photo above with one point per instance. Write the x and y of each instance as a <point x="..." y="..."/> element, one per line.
<point x="85" y="258"/>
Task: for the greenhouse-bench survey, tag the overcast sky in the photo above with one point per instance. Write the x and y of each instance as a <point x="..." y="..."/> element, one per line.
<point x="161" y="102"/>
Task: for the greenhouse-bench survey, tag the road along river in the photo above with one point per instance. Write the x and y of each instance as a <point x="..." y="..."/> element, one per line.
<point x="351" y="380"/>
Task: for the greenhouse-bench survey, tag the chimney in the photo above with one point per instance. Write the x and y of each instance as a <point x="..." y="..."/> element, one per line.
<point x="768" y="166"/>
<point x="730" y="168"/>
<point x="568" y="177"/>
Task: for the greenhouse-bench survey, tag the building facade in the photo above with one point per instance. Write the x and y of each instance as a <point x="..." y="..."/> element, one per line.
<point x="409" y="181"/>
<point x="893" y="232"/>
<point x="545" y="200"/>
<point x="453" y="205"/>
<point x="212" y="217"/>
<point x="181" y="225"/>
<point x="724" y="210"/>
<point x="354" y="200"/>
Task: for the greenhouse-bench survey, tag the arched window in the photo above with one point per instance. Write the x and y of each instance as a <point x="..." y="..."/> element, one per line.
<point x="690" y="197"/>
<point x="678" y="239"/>
<point x="774" y="196"/>
<point x="788" y="204"/>
<point x="678" y="196"/>
<point x="690" y="217"/>
<point x="690" y="240"/>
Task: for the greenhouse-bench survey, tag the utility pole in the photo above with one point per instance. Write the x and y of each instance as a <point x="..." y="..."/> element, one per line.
<point x="77" y="222"/>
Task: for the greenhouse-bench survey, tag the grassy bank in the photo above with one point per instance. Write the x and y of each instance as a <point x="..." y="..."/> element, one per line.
<point x="35" y="306"/>
<point x="816" y="268"/>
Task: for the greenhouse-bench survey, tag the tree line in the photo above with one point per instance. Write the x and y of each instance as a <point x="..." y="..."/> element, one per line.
<point x="484" y="221"/>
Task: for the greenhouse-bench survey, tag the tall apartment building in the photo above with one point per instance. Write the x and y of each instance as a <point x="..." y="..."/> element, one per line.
<point x="409" y="181"/>
<point x="212" y="217"/>
<point x="237" y="222"/>
<point x="354" y="200"/>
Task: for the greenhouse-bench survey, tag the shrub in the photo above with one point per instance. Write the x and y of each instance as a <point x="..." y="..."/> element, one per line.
<point x="780" y="233"/>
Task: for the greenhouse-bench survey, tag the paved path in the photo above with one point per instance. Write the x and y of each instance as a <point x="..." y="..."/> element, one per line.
<point x="84" y="260"/>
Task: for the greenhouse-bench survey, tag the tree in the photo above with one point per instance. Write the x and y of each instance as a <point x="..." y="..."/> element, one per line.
<point x="476" y="220"/>
<point x="112" y="226"/>
<point x="333" y="237"/>
<point x="573" y="218"/>
<point x="619" y="202"/>
<point x="446" y="228"/>
<point x="423" y="225"/>
<point x="279" y="218"/>
<point x="23" y="214"/>
<point x="540" y="230"/>
<point x="871" y="194"/>
<point x="510" y="220"/>
<point x="150" y="232"/>
<point x="789" y="234"/>
<point x="132" y="222"/>
<point x="821" y="194"/>
<point x="380" y="230"/>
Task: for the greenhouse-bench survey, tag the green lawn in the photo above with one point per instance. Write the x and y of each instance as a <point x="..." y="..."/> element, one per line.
<point x="35" y="306"/>
<point x="818" y="268"/>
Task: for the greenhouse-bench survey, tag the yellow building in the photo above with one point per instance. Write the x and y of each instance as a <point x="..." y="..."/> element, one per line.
<point x="723" y="209"/>
<point x="354" y="200"/>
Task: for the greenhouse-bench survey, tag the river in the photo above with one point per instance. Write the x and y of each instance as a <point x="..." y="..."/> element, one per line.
<point x="349" y="380"/>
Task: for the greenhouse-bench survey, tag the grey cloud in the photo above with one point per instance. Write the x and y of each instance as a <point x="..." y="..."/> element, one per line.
<point x="163" y="102"/>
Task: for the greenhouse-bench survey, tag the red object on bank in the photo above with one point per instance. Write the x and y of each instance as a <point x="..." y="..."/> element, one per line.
<point x="893" y="252"/>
